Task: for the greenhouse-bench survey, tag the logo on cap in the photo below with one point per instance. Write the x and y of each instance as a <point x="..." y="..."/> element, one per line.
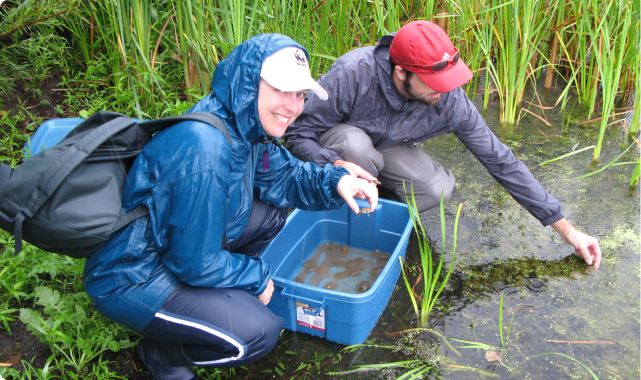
<point x="446" y="56"/>
<point x="300" y="57"/>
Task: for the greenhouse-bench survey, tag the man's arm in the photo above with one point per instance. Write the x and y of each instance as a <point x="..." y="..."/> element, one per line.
<point x="584" y="245"/>
<point x="514" y="176"/>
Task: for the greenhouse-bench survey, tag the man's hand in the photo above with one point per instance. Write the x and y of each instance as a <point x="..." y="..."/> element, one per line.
<point x="350" y="187"/>
<point x="356" y="170"/>
<point x="584" y="245"/>
<point x="266" y="295"/>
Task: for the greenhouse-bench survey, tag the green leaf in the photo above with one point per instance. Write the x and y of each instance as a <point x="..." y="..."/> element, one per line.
<point x="113" y="346"/>
<point x="291" y="352"/>
<point x="83" y="113"/>
<point x="47" y="296"/>
<point x="301" y="366"/>
<point x="33" y="320"/>
<point x="278" y="371"/>
<point x="80" y="312"/>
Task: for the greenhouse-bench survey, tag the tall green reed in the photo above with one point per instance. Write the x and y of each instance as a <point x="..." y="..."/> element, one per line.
<point x="588" y="72"/>
<point x="609" y="42"/>
<point x="196" y="41"/>
<point x="431" y="276"/>
<point x="504" y="42"/>
<point x="518" y="31"/>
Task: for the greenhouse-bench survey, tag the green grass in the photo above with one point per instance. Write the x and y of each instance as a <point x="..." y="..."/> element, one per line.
<point x="431" y="275"/>
<point x="594" y="376"/>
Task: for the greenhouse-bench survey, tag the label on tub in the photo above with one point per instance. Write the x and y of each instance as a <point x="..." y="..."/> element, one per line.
<point x="310" y="317"/>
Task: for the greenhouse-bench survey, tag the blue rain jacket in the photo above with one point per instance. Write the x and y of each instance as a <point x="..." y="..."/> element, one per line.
<point x="199" y="190"/>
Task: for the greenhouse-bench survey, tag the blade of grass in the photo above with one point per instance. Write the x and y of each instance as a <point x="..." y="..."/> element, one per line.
<point x="566" y="155"/>
<point x="569" y="357"/>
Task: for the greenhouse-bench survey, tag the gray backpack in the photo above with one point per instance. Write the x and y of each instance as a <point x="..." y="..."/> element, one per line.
<point x="68" y="199"/>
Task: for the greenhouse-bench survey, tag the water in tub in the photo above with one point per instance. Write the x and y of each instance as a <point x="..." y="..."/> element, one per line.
<point x="342" y="268"/>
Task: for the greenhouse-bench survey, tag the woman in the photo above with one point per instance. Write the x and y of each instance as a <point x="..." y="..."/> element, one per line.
<point x="186" y="277"/>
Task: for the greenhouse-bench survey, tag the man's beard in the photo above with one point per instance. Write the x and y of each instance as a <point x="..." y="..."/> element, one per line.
<point x="410" y="90"/>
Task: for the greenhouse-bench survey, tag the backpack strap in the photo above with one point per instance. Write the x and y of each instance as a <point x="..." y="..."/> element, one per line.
<point x="125" y="218"/>
<point x="154" y="126"/>
<point x="158" y="125"/>
<point x="5" y="174"/>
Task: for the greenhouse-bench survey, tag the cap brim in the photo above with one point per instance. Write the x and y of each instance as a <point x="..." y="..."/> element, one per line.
<point x="308" y="83"/>
<point x="448" y="80"/>
<point x="317" y="89"/>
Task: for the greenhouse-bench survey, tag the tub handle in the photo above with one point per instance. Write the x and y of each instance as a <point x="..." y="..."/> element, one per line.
<point x="309" y="301"/>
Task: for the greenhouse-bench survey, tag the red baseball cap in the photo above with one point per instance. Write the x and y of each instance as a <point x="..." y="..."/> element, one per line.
<point x="419" y="45"/>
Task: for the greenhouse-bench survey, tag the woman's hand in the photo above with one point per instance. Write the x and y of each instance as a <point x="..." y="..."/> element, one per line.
<point x="350" y="187"/>
<point x="266" y="295"/>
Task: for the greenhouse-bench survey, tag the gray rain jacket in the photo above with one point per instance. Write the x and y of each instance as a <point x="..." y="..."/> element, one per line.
<point x="362" y="93"/>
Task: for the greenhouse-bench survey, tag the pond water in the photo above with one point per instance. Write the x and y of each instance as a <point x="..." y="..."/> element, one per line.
<point x="555" y="302"/>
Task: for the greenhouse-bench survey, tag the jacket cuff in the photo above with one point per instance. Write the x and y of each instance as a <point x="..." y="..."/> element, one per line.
<point x="337" y="173"/>
<point x="554" y="218"/>
<point x="266" y="275"/>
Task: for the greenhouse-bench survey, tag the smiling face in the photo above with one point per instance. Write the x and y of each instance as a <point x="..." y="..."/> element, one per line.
<point x="278" y="109"/>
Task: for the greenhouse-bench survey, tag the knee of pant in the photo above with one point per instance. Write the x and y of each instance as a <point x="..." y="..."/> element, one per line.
<point x="358" y="148"/>
<point x="263" y="333"/>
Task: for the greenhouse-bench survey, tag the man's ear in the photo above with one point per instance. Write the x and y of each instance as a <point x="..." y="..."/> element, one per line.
<point x="400" y="73"/>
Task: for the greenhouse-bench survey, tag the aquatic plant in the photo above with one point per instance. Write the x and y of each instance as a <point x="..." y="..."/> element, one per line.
<point x="566" y="155"/>
<point x="506" y="43"/>
<point x="611" y="163"/>
<point x="635" y="175"/>
<point x="509" y="328"/>
<point x="609" y="42"/>
<point x="594" y="376"/>
<point x="431" y="276"/>
<point x="418" y="367"/>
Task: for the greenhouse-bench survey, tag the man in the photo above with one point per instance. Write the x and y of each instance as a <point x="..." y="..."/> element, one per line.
<point x="406" y="89"/>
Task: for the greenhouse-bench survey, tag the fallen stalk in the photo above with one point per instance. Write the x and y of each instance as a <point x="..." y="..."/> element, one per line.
<point x="582" y="341"/>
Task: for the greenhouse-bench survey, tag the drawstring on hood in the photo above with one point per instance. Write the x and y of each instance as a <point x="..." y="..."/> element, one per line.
<point x="266" y="151"/>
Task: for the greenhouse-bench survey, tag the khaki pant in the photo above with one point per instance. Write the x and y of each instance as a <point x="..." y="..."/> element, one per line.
<point x="392" y="165"/>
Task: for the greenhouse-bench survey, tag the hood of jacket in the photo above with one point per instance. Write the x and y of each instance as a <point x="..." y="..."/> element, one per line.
<point x="235" y="87"/>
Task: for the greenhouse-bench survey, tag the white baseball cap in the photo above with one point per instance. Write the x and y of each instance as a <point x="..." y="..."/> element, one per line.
<point x="288" y="70"/>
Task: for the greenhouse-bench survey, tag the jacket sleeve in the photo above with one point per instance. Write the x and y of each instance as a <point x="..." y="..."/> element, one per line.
<point x="289" y="182"/>
<point x="189" y="219"/>
<point x="302" y="137"/>
<point x="470" y="127"/>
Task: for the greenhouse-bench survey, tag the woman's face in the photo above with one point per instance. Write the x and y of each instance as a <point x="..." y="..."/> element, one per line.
<point x="278" y="109"/>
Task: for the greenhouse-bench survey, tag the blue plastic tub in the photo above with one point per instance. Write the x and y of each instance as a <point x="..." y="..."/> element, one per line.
<point x="341" y="317"/>
<point x="50" y="133"/>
